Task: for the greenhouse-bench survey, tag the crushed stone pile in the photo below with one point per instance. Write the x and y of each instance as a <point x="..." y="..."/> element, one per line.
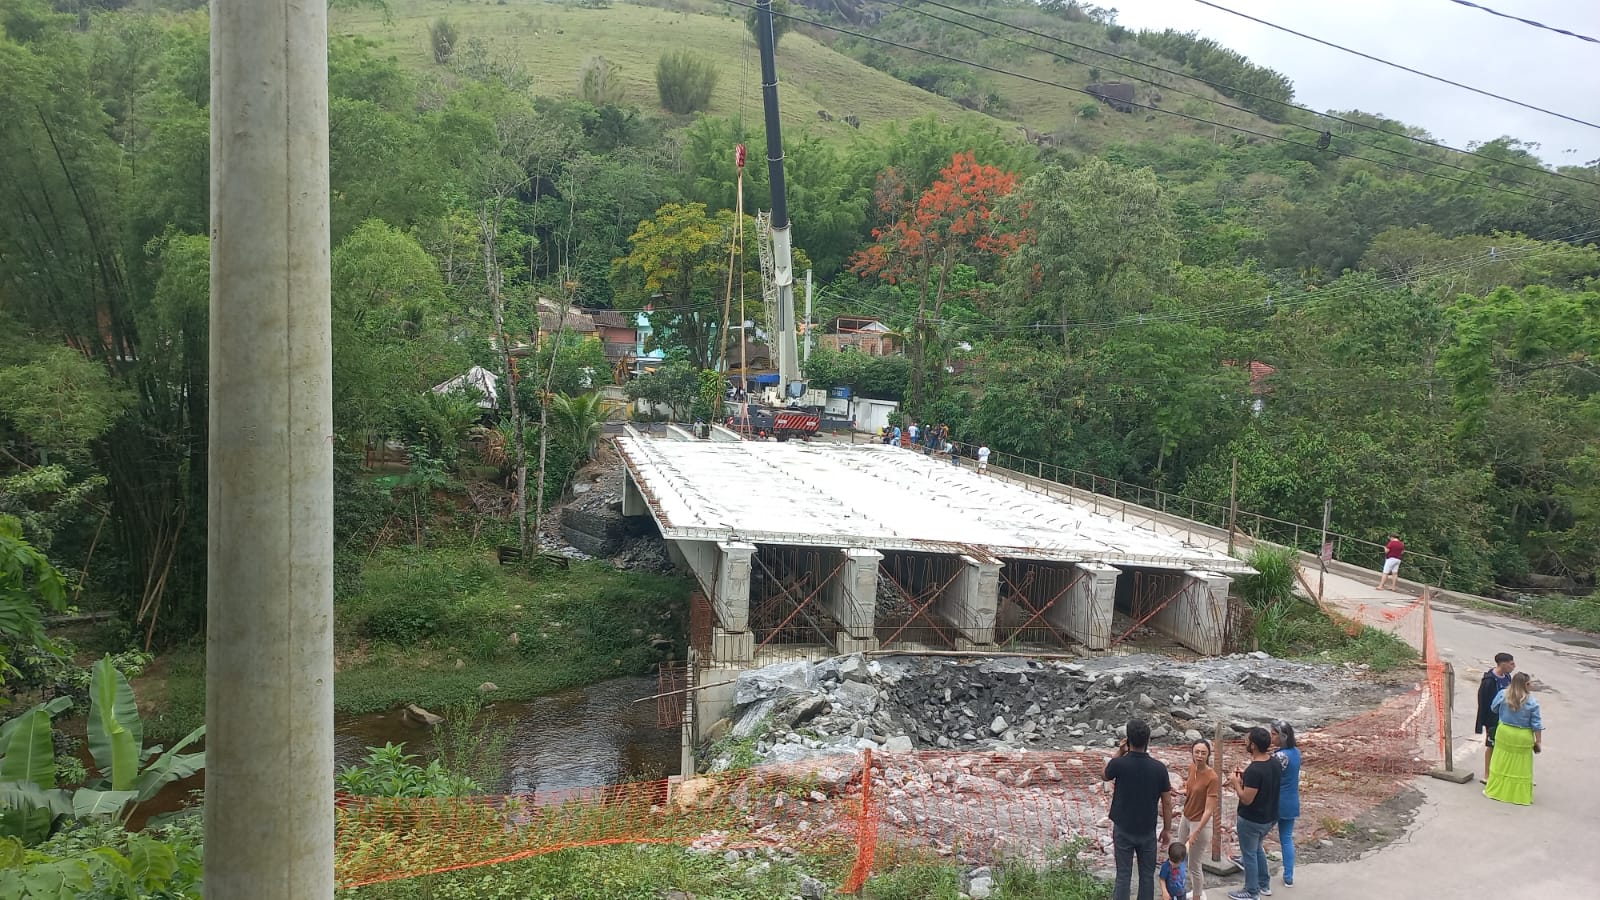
<point x="798" y="710"/>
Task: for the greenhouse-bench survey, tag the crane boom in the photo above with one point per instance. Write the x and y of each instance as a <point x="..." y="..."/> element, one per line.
<point x="789" y="383"/>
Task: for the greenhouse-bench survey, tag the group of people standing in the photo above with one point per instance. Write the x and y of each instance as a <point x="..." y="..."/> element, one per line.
<point x="1268" y="794"/>
<point x="1513" y="731"/>
<point x="929" y="440"/>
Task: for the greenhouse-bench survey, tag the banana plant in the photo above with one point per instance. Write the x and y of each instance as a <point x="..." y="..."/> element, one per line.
<point x="30" y="802"/>
<point x="116" y="741"/>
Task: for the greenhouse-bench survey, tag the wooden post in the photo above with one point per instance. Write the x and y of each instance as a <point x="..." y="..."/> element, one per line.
<point x="1448" y="771"/>
<point x="1218" y="864"/>
<point x="1233" y="502"/>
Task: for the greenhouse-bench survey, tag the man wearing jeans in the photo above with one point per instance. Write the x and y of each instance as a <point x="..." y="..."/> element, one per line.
<point x="1257" y="786"/>
<point x="1140" y="785"/>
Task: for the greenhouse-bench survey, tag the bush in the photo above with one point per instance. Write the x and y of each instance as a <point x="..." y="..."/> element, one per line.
<point x="685" y="81"/>
<point x="403" y="621"/>
<point x="442" y="37"/>
<point x="1089" y="109"/>
<point x="389" y="772"/>
<point x="1273" y="582"/>
<point x="599" y="82"/>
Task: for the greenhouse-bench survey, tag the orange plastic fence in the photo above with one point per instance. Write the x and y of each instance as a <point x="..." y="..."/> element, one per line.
<point x="865" y="808"/>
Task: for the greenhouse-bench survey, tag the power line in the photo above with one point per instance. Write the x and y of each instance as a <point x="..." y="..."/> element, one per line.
<point x="1395" y="65"/>
<point x="1231" y="89"/>
<point x="1496" y="12"/>
<point x="1065" y="87"/>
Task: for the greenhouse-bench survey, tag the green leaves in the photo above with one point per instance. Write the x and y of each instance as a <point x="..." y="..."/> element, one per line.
<point x="29" y="754"/>
<point x="116" y="732"/>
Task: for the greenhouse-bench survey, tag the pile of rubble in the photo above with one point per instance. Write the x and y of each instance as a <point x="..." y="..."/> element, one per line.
<point x="590" y="523"/>
<point x="796" y="710"/>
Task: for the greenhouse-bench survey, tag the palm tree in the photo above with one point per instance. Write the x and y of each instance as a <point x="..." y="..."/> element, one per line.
<point x="578" y="420"/>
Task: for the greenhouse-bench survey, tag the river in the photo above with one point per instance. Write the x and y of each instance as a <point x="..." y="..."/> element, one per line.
<point x="580" y="737"/>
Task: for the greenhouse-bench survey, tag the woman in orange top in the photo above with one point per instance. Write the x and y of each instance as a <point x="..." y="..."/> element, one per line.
<point x="1202" y="794"/>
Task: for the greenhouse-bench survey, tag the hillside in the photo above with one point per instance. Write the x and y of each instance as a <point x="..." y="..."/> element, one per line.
<point x="550" y="41"/>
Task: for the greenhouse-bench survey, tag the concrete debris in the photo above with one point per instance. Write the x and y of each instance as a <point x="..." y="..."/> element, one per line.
<point x="902" y="703"/>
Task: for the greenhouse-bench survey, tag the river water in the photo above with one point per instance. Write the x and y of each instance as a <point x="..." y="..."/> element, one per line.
<point x="580" y="737"/>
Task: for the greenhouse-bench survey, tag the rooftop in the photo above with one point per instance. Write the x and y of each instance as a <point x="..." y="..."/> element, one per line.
<point x="869" y="495"/>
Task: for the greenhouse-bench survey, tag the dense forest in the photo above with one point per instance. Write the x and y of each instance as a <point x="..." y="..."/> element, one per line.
<point x="1429" y="317"/>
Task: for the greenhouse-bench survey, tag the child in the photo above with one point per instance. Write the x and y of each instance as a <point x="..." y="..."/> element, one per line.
<point x="1174" y="873"/>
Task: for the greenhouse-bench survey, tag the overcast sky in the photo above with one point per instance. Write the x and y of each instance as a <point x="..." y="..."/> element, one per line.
<point x="1535" y="66"/>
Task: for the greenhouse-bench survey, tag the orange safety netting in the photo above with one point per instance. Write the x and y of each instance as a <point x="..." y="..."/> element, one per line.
<point x="864" y="808"/>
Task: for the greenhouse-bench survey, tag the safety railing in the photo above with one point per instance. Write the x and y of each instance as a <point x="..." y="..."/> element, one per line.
<point x="1421" y="567"/>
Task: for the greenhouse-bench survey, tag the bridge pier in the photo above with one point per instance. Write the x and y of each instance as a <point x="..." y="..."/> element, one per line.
<point x="1086" y="610"/>
<point x="1193" y="606"/>
<point x="971" y="602"/>
<point x="851" y="596"/>
<point x="723" y="570"/>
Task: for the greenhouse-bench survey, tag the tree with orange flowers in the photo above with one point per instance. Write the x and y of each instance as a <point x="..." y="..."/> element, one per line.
<point x="956" y="220"/>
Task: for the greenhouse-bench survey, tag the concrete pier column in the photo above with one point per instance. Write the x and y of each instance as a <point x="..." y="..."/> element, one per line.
<point x="723" y="570"/>
<point x="269" y="636"/>
<point x="1197" y="618"/>
<point x="852" y="596"/>
<point x="633" y="502"/>
<point x="1085" y="611"/>
<point x="972" y="601"/>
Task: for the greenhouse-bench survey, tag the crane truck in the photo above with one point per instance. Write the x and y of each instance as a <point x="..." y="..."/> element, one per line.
<point x="787" y="419"/>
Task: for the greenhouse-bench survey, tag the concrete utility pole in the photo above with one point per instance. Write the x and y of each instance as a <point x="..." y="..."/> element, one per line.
<point x="807" y="357"/>
<point x="269" y="636"/>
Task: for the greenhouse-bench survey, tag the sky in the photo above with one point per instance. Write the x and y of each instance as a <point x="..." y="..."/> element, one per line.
<point x="1440" y="37"/>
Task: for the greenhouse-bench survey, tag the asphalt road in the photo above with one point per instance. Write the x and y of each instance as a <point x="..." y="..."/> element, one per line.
<point x="1463" y="844"/>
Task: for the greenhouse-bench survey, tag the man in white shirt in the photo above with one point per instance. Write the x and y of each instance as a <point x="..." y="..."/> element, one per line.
<point x="983" y="459"/>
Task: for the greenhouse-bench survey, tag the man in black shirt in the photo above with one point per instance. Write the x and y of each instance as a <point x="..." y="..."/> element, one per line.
<point x="1257" y="787"/>
<point x="1493" y="682"/>
<point x="1140" y="784"/>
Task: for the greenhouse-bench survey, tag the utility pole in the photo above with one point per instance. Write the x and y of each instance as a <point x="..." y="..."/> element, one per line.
<point x="1233" y="502"/>
<point x="1324" y="551"/>
<point x="269" y="633"/>
<point x="807" y="357"/>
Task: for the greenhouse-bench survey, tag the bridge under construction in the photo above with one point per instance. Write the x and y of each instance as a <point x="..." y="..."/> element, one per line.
<point x="803" y="549"/>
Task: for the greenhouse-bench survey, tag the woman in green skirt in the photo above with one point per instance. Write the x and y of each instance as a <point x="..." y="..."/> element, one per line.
<point x="1520" y="736"/>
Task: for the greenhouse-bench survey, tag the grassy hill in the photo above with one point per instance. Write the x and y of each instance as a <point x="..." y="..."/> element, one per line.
<point x="551" y="40"/>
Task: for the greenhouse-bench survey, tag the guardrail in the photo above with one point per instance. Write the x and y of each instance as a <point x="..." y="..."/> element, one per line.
<point x="1421" y="567"/>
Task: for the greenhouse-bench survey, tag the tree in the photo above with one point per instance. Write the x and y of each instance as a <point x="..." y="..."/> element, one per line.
<point x="682" y="255"/>
<point x="1527" y="390"/>
<point x="578" y="421"/>
<point x="957" y="219"/>
<point x="685" y="80"/>
<point x="29" y="586"/>
<point x="674" y="385"/>
<point x="781" y="23"/>
<point x="1102" y="241"/>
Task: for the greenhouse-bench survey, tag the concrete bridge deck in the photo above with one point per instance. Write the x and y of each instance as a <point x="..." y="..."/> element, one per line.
<point x="857" y="547"/>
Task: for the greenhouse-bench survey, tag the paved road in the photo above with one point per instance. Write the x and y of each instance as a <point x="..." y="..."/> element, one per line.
<point x="1462" y="843"/>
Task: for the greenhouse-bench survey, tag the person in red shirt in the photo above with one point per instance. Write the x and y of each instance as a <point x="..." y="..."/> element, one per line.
<point x="1392" y="552"/>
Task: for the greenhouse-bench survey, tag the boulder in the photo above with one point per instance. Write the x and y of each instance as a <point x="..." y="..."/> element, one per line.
<point x="488" y="686"/>
<point x="898" y="744"/>
<point x="420" y="716"/>
<point x="771" y="681"/>
<point x="812" y="889"/>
